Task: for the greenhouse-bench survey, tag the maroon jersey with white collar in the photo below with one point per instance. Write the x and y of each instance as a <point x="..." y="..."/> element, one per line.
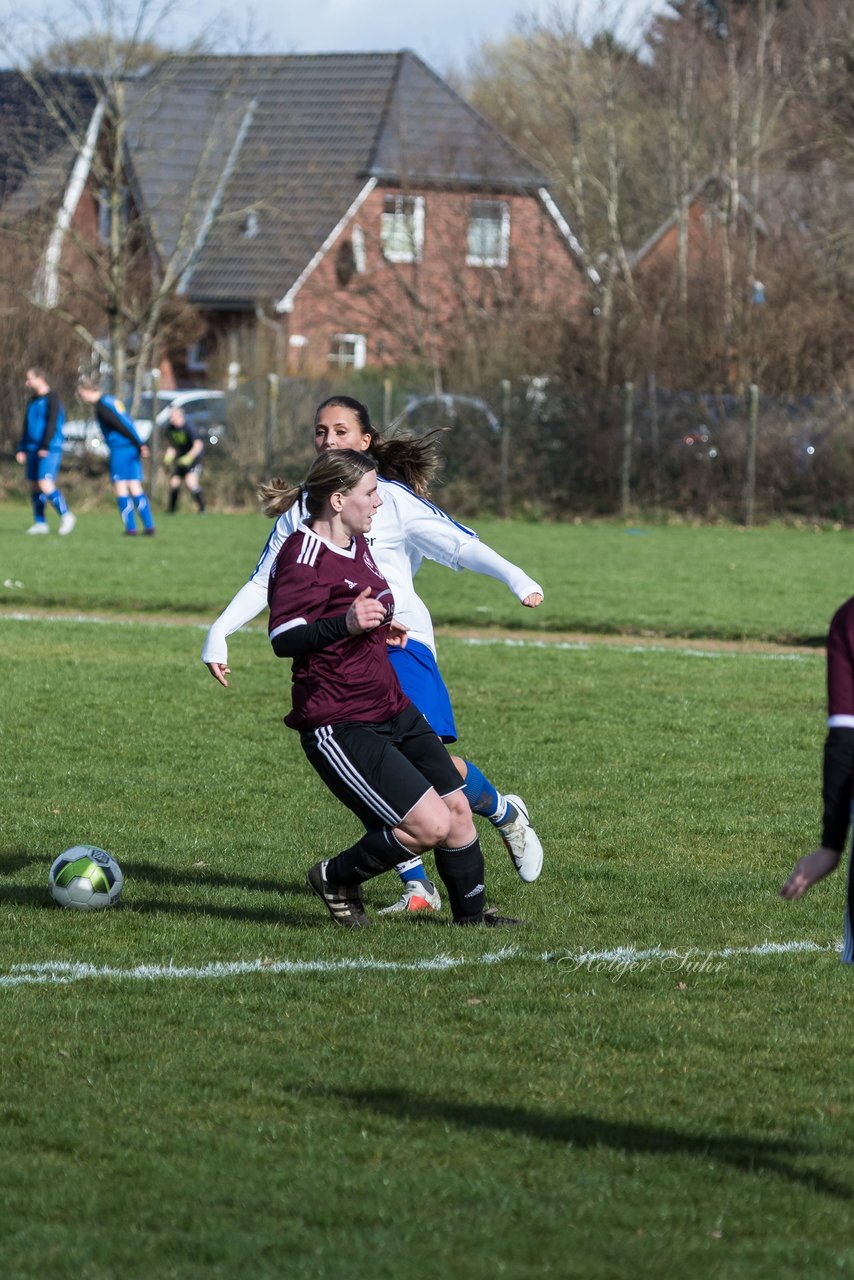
<point x="351" y="679"/>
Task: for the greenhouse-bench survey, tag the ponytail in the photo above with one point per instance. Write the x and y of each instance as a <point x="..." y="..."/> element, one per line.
<point x="277" y="497"/>
<point x="414" y="461"/>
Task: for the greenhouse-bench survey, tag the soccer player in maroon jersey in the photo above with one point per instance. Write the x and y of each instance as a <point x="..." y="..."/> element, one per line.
<point x="332" y="613"/>
<point x="838" y="772"/>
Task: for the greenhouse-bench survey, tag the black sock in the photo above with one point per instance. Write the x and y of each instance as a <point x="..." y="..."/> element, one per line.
<point x="462" y="874"/>
<point x="199" y="500"/>
<point x="173" y="499"/>
<point x="377" y="851"/>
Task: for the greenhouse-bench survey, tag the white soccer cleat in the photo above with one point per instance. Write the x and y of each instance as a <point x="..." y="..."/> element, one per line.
<point x="67" y="522"/>
<point x="418" y="895"/>
<point x="38" y="527"/>
<point x="522" y="842"/>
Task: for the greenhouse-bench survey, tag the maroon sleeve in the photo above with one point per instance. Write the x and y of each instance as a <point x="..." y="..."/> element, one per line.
<point x="840" y="661"/>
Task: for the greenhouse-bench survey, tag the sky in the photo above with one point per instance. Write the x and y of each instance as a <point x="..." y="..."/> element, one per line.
<point x="445" y="33"/>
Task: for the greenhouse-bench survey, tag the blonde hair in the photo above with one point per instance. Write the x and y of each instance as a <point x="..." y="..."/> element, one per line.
<point x="336" y="471"/>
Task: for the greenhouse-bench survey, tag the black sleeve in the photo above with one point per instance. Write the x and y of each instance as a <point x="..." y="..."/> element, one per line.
<point x="838" y="771"/>
<point x="108" y="418"/>
<point x="53" y="407"/>
<point x="309" y="636"/>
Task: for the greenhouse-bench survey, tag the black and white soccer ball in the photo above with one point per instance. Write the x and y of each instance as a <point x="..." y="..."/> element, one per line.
<point x="85" y="878"/>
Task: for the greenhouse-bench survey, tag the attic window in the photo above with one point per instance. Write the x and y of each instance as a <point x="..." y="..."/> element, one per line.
<point x="402" y="228"/>
<point x="251" y="226"/>
<point x="488" y="234"/>
<point x="345" y="263"/>
<point x="348" y="351"/>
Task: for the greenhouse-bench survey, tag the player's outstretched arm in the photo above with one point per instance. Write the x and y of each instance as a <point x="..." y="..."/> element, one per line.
<point x="250" y="600"/>
<point x="809" y="870"/>
<point x="438" y="537"/>
<point x="480" y="558"/>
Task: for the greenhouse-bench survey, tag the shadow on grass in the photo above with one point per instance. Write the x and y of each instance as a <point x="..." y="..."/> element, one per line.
<point x="212" y="911"/>
<point x="155" y="873"/>
<point x="748" y="1155"/>
<point x="14" y="861"/>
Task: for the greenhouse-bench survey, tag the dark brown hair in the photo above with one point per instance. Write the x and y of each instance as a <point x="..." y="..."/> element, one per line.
<point x="412" y="461"/>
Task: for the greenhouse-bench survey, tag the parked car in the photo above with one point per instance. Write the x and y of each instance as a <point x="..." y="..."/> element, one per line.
<point x="204" y="410"/>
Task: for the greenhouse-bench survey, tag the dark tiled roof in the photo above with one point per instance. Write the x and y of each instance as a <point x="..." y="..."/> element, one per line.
<point x="292" y="140"/>
<point x="43" y="121"/>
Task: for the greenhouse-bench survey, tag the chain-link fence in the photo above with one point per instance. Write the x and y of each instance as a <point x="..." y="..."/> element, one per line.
<point x="539" y="449"/>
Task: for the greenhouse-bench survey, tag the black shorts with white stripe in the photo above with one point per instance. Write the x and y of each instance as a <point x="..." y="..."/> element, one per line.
<point x="381" y="771"/>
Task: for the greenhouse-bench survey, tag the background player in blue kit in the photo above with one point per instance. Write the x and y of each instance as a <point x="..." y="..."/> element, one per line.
<point x="40" y="450"/>
<point x="126" y="454"/>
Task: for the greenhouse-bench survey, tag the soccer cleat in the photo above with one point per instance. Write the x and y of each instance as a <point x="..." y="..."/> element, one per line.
<point x="149" y="533"/>
<point x="491" y="919"/>
<point x="38" y="527"/>
<point x="67" y="522"/>
<point x="522" y="842"/>
<point x="344" y="903"/>
<point x="418" y="895"/>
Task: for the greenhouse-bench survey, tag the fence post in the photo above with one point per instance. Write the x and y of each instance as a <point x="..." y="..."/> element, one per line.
<point x="504" y="450"/>
<point x="626" y="462"/>
<point x="388" y="388"/>
<point x="272" y="417"/>
<point x="653" y="434"/>
<point x="750" y="473"/>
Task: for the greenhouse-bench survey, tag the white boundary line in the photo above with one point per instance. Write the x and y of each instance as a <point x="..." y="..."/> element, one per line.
<point x="581" y="646"/>
<point x="686" y="651"/>
<point x="632" y="958"/>
<point x="618" y="959"/>
<point x="59" y="973"/>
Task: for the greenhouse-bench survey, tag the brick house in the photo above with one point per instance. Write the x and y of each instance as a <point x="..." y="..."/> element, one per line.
<point x="49" y="126"/>
<point x="361" y="211"/>
<point x="317" y="211"/>
<point x="697" y="238"/>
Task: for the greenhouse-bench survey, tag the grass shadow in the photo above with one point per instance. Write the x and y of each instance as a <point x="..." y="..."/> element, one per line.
<point x="750" y="1155"/>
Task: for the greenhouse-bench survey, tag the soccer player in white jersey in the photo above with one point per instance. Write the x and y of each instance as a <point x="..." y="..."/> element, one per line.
<point x="407" y="529"/>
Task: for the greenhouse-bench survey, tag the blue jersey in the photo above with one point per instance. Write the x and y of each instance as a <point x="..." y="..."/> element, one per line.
<point x="44" y="417"/>
<point x="117" y="426"/>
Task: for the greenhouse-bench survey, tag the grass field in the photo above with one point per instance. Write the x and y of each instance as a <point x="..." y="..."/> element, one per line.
<point x="211" y="1081"/>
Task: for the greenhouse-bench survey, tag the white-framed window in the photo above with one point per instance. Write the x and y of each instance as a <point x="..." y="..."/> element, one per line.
<point x="197" y="355"/>
<point x="348" y="351"/>
<point x="105" y="218"/>
<point x="488" y="234"/>
<point x="402" y="228"/>
<point x="358" y="241"/>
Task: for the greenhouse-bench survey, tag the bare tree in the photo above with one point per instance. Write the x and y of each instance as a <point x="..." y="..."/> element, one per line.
<point x="107" y="270"/>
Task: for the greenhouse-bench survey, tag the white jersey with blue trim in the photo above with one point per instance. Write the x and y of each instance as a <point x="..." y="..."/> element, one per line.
<point x="405" y="531"/>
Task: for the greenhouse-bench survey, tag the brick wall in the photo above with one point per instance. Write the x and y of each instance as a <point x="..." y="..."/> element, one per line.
<point x="413" y="311"/>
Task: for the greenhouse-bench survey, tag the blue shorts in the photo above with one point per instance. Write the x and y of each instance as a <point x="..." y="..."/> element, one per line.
<point x="125" y="466"/>
<point x="43" y="468"/>
<point x="421" y="680"/>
